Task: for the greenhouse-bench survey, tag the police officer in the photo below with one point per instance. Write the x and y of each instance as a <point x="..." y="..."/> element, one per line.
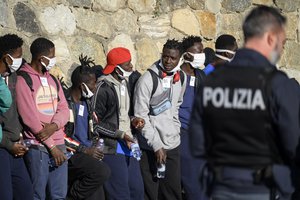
<point x="245" y="120"/>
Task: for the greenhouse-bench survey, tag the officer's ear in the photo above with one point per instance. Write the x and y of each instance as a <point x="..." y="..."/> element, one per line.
<point x="271" y="39"/>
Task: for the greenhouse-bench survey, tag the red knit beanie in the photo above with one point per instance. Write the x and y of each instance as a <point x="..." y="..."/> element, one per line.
<point x="115" y="57"/>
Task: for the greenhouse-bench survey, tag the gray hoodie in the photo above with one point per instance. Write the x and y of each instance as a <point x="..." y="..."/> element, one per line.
<point x="163" y="130"/>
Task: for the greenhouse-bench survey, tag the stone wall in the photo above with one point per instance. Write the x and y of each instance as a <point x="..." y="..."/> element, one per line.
<point x="93" y="27"/>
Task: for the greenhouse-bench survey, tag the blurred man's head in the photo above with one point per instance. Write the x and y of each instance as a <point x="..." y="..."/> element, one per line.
<point x="264" y="30"/>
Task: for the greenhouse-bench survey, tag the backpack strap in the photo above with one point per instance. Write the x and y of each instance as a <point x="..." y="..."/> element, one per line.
<point x="154" y="80"/>
<point x="182" y="77"/>
<point x="57" y="86"/>
<point x="56" y="82"/>
<point x="27" y="79"/>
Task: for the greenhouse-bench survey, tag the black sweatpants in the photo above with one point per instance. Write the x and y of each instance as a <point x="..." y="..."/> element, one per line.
<point x="168" y="188"/>
<point x="86" y="176"/>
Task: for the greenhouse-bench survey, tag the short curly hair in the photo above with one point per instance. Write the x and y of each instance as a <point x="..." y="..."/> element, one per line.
<point x="9" y="43"/>
<point x="189" y="41"/>
<point x="173" y="44"/>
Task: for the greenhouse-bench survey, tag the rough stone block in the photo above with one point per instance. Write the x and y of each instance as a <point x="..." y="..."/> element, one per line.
<point x="213" y="6"/>
<point x="81" y="3"/>
<point x="288" y="5"/>
<point x="93" y="22"/>
<point x="125" y="21"/>
<point x="185" y="21"/>
<point x="147" y="53"/>
<point x="58" y="20"/>
<point x="25" y="18"/>
<point x="236" y="6"/>
<point x="196" y="4"/>
<point x="207" y="21"/>
<point x="155" y="27"/>
<point x="109" y="5"/>
<point x="142" y="6"/>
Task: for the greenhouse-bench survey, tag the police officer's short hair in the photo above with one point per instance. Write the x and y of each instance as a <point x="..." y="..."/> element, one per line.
<point x="262" y="19"/>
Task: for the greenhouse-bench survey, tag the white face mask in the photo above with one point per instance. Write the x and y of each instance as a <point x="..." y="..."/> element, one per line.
<point x="16" y="64"/>
<point x="88" y="93"/>
<point x="199" y="59"/>
<point x="223" y="57"/>
<point x="52" y="62"/>
<point x="175" y="69"/>
<point x="126" y="74"/>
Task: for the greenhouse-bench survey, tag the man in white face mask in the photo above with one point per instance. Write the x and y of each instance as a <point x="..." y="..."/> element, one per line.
<point x="226" y="47"/>
<point x="86" y="175"/>
<point x="44" y="114"/>
<point x="194" y="59"/>
<point x="15" y="180"/>
<point x="113" y="107"/>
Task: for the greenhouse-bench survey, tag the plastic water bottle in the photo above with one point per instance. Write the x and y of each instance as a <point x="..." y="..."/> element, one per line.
<point x="100" y="145"/>
<point x="135" y="149"/>
<point x="52" y="163"/>
<point x="161" y="170"/>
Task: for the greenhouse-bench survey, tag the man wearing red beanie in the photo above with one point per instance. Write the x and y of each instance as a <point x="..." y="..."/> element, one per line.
<point x="114" y="111"/>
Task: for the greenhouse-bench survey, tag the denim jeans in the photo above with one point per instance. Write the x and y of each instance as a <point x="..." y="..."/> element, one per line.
<point x="14" y="179"/>
<point x="230" y="195"/>
<point x="47" y="182"/>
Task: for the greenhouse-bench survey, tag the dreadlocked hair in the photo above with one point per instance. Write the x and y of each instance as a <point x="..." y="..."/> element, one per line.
<point x="83" y="73"/>
<point x="173" y="44"/>
<point x="189" y="41"/>
<point x="9" y="43"/>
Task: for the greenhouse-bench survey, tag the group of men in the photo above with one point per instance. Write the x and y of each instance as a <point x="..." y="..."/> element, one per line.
<point x="229" y="131"/>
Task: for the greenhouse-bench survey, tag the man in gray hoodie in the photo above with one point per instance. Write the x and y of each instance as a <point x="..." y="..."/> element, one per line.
<point x="157" y="97"/>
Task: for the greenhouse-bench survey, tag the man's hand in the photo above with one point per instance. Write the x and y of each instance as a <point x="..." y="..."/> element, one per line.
<point x="18" y="149"/>
<point x="58" y="156"/>
<point x="138" y="123"/>
<point x="161" y="156"/>
<point x="129" y="140"/>
<point x="94" y="152"/>
<point x="47" y="131"/>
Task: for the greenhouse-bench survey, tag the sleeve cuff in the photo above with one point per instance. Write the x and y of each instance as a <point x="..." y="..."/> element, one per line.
<point x="120" y="134"/>
<point x="57" y="123"/>
<point x="156" y="147"/>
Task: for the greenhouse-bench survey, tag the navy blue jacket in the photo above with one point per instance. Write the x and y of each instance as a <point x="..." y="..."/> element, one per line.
<point x="285" y="106"/>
